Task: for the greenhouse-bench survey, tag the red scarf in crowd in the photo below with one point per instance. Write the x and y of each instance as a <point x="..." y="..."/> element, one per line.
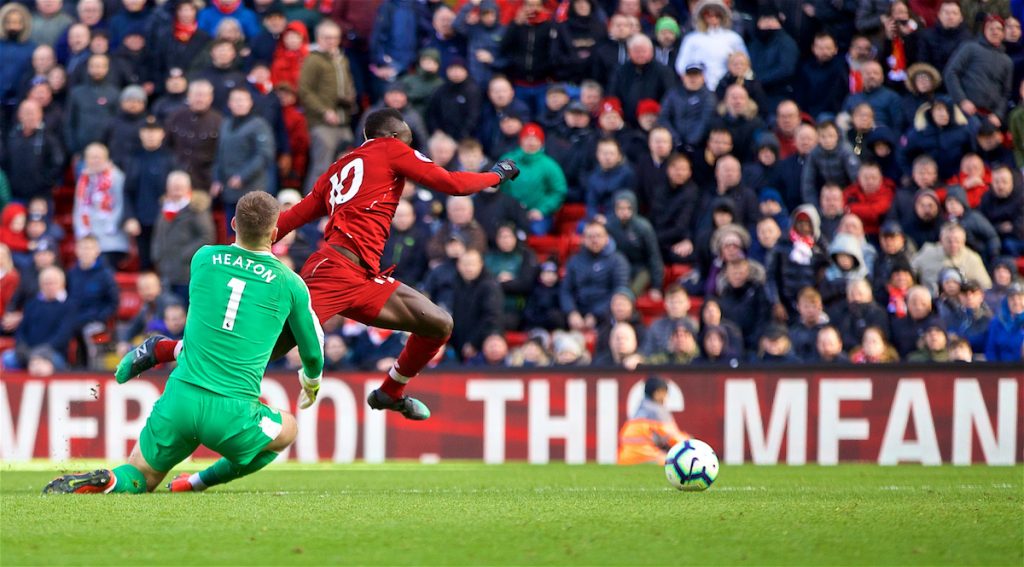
<point x="897" y="60"/>
<point x="171" y="208"/>
<point x="184" y="32"/>
<point x="803" y="247"/>
<point x="93" y="193"/>
<point x="897" y="301"/>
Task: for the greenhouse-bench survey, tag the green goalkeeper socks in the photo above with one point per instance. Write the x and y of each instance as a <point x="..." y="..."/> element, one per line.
<point x="225" y="471"/>
<point x="129" y="480"/>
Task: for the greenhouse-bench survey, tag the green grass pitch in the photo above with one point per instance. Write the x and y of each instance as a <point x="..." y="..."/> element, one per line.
<point x="473" y="514"/>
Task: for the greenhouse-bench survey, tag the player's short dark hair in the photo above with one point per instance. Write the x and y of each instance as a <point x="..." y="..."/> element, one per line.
<point x="256" y="216"/>
<point x="381" y="123"/>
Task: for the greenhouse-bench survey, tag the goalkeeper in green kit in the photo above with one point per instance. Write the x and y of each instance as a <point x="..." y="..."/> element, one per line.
<point x="242" y="297"/>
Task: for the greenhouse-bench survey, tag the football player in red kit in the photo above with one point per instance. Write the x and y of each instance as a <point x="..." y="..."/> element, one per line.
<point x="359" y="193"/>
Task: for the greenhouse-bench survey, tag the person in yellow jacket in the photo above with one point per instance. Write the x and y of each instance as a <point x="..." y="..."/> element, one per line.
<point x="652" y="431"/>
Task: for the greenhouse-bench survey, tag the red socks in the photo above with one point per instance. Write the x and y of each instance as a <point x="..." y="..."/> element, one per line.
<point x="417" y="353"/>
<point x="164" y="350"/>
<point x="393" y="388"/>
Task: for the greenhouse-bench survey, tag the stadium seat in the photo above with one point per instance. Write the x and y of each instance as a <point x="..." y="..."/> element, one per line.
<point x="590" y="337"/>
<point x="128" y="304"/>
<point x="220" y="225"/>
<point x="568" y="217"/>
<point x="6" y="343"/>
<point x="64" y="201"/>
<point x="126" y="280"/>
<point x="67" y="250"/>
<point x="674" y="272"/>
<point x="649" y="309"/>
<point x="546" y="247"/>
<point x="570" y="245"/>
<point x="696" y="303"/>
<point x="64" y="221"/>
<point x="131" y="262"/>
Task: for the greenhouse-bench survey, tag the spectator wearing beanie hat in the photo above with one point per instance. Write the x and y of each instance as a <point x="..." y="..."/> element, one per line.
<point x="647" y="111"/>
<point x="424" y="80"/>
<point x="666" y="40"/>
<point x="687" y="110"/>
<point x="611" y="122"/>
<point x="541" y="185"/>
<point x="123" y="139"/>
<point x="1004" y="273"/>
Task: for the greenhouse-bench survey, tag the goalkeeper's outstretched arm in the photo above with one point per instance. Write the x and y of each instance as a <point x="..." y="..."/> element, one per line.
<point x="307" y="332"/>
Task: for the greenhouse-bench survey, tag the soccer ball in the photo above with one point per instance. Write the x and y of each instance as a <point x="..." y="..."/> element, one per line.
<point x="691" y="465"/>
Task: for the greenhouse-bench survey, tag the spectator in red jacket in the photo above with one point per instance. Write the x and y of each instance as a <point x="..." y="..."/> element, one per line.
<point x="974" y="177"/>
<point x="298" y="135"/>
<point x="291" y="51"/>
<point x="9" y="278"/>
<point x="869" y="197"/>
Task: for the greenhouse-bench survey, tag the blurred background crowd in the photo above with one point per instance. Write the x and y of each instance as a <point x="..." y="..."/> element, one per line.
<point x="703" y="182"/>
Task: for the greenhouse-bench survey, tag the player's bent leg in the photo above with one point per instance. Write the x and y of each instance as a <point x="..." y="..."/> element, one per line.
<point x="137" y="473"/>
<point x="145" y="356"/>
<point x="95" y="482"/>
<point x="159" y="349"/>
<point x="136" y="477"/>
<point x="409" y="310"/>
<point x="289" y="429"/>
<point x="431" y="326"/>
<point x="226" y="469"/>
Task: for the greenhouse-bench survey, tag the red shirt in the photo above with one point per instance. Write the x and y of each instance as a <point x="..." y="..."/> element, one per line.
<point x="870" y="208"/>
<point x="360" y="193"/>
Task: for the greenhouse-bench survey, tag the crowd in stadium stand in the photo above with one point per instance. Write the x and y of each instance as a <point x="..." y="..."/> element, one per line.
<point x="702" y="182"/>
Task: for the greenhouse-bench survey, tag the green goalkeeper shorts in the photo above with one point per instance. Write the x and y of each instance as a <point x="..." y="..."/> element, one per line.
<point x="187" y="416"/>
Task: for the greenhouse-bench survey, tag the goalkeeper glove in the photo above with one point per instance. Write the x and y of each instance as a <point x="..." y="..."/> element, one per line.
<point x="310" y="388"/>
<point x="506" y="169"/>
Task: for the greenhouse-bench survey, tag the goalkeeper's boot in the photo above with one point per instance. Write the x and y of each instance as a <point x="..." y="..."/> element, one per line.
<point x="411" y="408"/>
<point x="81" y="483"/>
<point x="181" y="483"/>
<point x="138" y="360"/>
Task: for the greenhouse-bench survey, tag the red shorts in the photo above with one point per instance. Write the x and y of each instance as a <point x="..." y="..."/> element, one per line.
<point x="337" y="285"/>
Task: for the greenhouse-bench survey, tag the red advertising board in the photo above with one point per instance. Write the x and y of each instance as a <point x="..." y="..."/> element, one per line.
<point x="794" y="415"/>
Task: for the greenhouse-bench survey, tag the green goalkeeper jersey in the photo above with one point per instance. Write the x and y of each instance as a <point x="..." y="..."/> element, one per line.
<point x="240" y="301"/>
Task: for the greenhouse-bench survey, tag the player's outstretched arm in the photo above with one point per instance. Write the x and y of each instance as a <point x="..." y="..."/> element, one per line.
<point x="413" y="165"/>
<point x="309" y="209"/>
<point x="309" y="337"/>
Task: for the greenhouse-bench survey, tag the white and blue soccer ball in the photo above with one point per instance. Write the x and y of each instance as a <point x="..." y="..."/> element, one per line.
<point x="691" y="465"/>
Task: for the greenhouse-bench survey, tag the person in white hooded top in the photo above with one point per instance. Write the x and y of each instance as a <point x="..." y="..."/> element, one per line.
<point x="711" y="42"/>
